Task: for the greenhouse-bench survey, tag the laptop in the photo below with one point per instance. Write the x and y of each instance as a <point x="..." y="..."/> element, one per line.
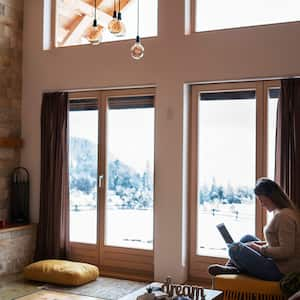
<point x="225" y="233"/>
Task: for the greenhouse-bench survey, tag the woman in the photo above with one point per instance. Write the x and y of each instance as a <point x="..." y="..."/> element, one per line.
<point x="279" y="254"/>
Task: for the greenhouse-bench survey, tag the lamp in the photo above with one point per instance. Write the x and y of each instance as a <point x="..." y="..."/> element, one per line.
<point x="95" y="34"/>
<point x="121" y="30"/>
<point x="113" y="25"/>
<point x="137" y="50"/>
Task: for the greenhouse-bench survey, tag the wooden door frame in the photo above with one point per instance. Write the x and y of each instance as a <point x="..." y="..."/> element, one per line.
<point x="197" y="269"/>
<point x="120" y="262"/>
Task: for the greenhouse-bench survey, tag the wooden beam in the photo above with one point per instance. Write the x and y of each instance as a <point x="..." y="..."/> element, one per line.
<point x="77" y="30"/>
<point x="11" y="142"/>
<point x="107" y="6"/>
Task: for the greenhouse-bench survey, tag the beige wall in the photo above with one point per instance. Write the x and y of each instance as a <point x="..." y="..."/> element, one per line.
<point x="11" y="23"/>
<point x="170" y="61"/>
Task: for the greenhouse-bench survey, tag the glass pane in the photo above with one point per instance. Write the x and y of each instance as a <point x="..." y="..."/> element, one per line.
<point x="226" y="168"/>
<point x="74" y="17"/>
<point x="273" y="95"/>
<point x="83" y="165"/>
<point x="220" y="14"/>
<point x="129" y="194"/>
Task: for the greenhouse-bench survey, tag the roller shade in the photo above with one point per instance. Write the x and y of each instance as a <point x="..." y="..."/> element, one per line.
<point x="131" y="102"/>
<point x="83" y="104"/>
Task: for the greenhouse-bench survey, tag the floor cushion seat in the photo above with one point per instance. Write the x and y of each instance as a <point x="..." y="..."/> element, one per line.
<point x="245" y="287"/>
<point x="62" y="272"/>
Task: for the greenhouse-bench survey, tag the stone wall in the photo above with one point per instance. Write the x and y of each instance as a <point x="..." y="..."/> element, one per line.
<point x="17" y="246"/>
<point x="11" y="22"/>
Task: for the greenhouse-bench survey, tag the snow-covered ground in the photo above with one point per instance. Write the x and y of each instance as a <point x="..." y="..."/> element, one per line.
<point x="134" y="228"/>
<point x="124" y="227"/>
<point x="238" y="218"/>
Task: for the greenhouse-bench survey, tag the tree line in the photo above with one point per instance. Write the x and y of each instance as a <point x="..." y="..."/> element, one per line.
<point x="129" y="187"/>
<point x="226" y="195"/>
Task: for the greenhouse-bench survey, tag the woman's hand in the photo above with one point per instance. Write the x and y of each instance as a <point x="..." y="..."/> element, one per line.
<point x="262" y="243"/>
<point x="255" y="245"/>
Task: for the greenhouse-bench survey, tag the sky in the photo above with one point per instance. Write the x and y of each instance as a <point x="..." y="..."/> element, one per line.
<point x="219" y="14"/>
<point x="130" y="134"/>
<point x="227" y="141"/>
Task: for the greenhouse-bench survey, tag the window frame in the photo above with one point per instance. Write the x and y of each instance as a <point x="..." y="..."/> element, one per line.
<point x="197" y="267"/>
<point x="121" y="262"/>
<point x="50" y="30"/>
<point x="192" y="17"/>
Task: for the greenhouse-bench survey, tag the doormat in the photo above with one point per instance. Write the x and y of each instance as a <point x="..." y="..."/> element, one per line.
<point x="52" y="295"/>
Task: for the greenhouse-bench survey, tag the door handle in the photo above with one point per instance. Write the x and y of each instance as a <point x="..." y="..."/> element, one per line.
<point x="101" y="177"/>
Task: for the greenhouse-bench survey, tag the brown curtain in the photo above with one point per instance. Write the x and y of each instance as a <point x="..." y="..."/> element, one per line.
<point x="53" y="221"/>
<point x="287" y="163"/>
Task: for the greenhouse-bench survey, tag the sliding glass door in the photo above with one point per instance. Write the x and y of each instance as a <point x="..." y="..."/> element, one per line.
<point x="130" y="161"/>
<point x="226" y="167"/>
<point x="232" y="144"/>
<point x="83" y="166"/>
<point x="111" y="174"/>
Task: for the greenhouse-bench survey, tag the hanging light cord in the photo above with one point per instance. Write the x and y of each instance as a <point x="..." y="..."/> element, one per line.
<point x="138" y="18"/>
<point x="114" y="5"/>
<point x="95" y="17"/>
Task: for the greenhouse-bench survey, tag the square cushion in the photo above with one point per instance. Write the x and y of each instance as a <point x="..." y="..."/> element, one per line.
<point x="61" y="272"/>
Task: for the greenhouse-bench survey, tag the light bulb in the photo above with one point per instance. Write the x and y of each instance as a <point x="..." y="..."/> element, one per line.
<point x="120" y="28"/>
<point x="95" y="34"/>
<point x="137" y="50"/>
<point x="113" y="25"/>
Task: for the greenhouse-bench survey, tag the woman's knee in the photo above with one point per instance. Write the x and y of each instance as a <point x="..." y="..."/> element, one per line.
<point x="248" y="238"/>
<point x="234" y="250"/>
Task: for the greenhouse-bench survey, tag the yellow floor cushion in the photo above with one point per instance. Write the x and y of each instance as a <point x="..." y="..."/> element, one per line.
<point x="61" y="272"/>
<point x="242" y="286"/>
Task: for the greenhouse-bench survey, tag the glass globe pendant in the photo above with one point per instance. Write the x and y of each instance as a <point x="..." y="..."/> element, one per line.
<point x="137" y="50"/>
<point x="113" y="25"/>
<point x="95" y="31"/>
<point x="120" y="26"/>
<point x="95" y="34"/>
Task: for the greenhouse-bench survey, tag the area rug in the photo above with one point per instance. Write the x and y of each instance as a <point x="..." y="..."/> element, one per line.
<point x="15" y="286"/>
<point x="52" y="295"/>
<point x="103" y="287"/>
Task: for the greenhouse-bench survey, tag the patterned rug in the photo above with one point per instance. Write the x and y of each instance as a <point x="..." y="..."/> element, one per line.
<point x="14" y="287"/>
<point x="52" y="295"/>
<point x="103" y="287"/>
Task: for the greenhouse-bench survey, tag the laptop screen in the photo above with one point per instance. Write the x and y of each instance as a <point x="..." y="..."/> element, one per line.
<point x="225" y="234"/>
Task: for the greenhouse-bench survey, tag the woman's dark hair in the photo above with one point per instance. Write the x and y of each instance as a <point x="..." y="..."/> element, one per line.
<point x="269" y="188"/>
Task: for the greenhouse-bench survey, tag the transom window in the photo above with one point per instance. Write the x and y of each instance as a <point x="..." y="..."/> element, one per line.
<point x="73" y="19"/>
<point x="219" y="14"/>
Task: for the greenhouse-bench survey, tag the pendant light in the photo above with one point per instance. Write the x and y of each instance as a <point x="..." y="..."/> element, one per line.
<point x="137" y="50"/>
<point x="113" y="25"/>
<point x="95" y="34"/>
<point x="121" y="27"/>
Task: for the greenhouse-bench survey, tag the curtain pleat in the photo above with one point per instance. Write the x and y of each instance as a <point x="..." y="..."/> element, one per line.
<point x="53" y="219"/>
